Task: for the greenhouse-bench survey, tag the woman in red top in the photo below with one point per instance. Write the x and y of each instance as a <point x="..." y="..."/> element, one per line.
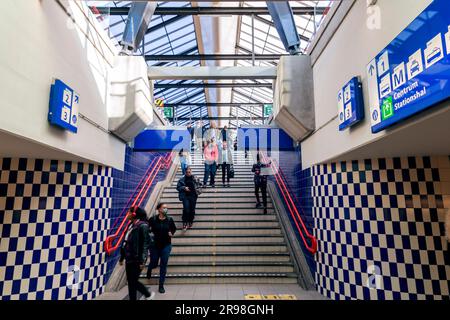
<point x="211" y="156"/>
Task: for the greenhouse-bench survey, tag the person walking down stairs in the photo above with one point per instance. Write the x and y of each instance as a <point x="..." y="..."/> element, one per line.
<point x="185" y="160"/>
<point x="188" y="191"/>
<point x="260" y="181"/>
<point x="211" y="156"/>
<point x="163" y="227"/>
<point x="134" y="251"/>
<point x="225" y="161"/>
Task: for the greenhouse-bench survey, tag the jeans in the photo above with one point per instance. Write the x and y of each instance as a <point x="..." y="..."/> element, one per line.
<point x="225" y="168"/>
<point x="160" y="255"/>
<point x="263" y="187"/>
<point x="210" y="171"/>
<point x="133" y="271"/>
<point x="189" y="203"/>
<point x="183" y="168"/>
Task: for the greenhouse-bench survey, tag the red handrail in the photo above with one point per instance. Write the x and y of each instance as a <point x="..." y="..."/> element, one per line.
<point x="109" y="245"/>
<point x="279" y="176"/>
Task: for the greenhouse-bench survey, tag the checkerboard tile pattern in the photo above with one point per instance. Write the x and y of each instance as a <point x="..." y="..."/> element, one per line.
<point x="53" y="220"/>
<point x="380" y="224"/>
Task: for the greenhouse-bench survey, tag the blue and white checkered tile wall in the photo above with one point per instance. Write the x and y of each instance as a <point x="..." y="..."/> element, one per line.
<point x="53" y="220"/>
<point x="380" y="227"/>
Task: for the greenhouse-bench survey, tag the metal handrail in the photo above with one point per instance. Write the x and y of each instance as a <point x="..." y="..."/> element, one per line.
<point x="285" y="192"/>
<point x="111" y="243"/>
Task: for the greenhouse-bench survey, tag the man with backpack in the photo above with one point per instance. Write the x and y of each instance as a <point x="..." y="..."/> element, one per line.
<point x="260" y="181"/>
<point x="134" y="251"/>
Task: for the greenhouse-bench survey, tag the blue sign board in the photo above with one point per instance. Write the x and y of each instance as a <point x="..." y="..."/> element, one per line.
<point x="350" y="104"/>
<point x="412" y="73"/>
<point x="264" y="138"/>
<point x="163" y="139"/>
<point x="64" y="102"/>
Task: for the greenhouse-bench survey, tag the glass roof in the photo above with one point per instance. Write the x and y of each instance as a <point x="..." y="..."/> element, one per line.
<point x="175" y="35"/>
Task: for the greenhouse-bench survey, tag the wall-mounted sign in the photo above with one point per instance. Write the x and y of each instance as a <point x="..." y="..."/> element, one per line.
<point x="168" y="112"/>
<point x="268" y="110"/>
<point x="413" y="72"/>
<point x="64" y="103"/>
<point x="350" y="104"/>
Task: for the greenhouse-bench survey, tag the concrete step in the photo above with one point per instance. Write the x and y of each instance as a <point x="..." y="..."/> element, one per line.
<point x="224" y="211"/>
<point x="218" y="205"/>
<point x="230" y="224"/>
<point x="245" y="238"/>
<point x="235" y="257"/>
<point x="224" y="278"/>
<point x="174" y="268"/>
<point x="201" y="231"/>
<point x="216" y="198"/>
<point x="227" y="218"/>
<point x="228" y="247"/>
<point x="250" y="189"/>
<point x="234" y="211"/>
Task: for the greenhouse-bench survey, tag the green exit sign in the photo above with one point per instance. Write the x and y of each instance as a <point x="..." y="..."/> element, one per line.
<point x="168" y="112"/>
<point x="268" y="109"/>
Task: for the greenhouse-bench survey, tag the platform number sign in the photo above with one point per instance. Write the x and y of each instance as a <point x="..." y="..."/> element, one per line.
<point x="413" y="72"/>
<point x="350" y="104"/>
<point x="64" y="105"/>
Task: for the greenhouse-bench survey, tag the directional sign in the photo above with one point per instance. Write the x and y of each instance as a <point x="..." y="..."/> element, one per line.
<point x="268" y="110"/>
<point x="64" y="105"/>
<point x="350" y="104"/>
<point x="168" y="112"/>
<point x="413" y="72"/>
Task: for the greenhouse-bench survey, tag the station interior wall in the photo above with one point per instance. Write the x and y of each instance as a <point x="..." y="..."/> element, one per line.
<point x="48" y="40"/>
<point x="377" y="203"/>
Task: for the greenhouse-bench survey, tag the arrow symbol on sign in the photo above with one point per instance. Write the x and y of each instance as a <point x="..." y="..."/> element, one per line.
<point x="371" y="69"/>
<point x="76" y="99"/>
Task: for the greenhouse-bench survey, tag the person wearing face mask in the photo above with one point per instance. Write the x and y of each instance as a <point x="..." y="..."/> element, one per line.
<point x="134" y="251"/>
<point x="163" y="227"/>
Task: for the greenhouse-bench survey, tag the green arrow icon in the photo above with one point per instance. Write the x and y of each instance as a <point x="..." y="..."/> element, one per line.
<point x="387" y="109"/>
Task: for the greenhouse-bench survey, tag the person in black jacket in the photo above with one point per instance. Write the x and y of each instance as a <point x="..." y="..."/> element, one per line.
<point x="187" y="193"/>
<point x="163" y="227"/>
<point x="134" y="251"/>
<point x="260" y="182"/>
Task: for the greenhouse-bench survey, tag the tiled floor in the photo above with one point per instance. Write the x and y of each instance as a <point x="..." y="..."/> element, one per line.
<point x="221" y="292"/>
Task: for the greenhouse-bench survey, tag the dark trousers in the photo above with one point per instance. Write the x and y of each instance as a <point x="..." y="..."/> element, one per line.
<point x="263" y="187"/>
<point x="133" y="271"/>
<point x="160" y="255"/>
<point x="189" y="203"/>
<point x="210" y="171"/>
<point x="225" y="169"/>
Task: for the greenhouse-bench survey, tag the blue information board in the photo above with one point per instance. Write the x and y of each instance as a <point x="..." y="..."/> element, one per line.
<point x="350" y="104"/>
<point x="412" y="73"/>
<point x="64" y="102"/>
<point x="163" y="139"/>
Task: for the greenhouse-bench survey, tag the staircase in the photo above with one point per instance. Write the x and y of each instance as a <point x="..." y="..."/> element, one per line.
<point x="231" y="241"/>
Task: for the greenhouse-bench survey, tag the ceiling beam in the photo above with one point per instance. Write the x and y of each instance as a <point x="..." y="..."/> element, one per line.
<point x="217" y="105"/>
<point x="211" y="73"/>
<point x="193" y="11"/>
<point x="211" y="85"/>
<point x="217" y="118"/>
<point x="204" y="57"/>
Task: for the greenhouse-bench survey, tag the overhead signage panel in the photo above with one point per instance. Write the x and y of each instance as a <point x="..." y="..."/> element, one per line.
<point x="412" y="73"/>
